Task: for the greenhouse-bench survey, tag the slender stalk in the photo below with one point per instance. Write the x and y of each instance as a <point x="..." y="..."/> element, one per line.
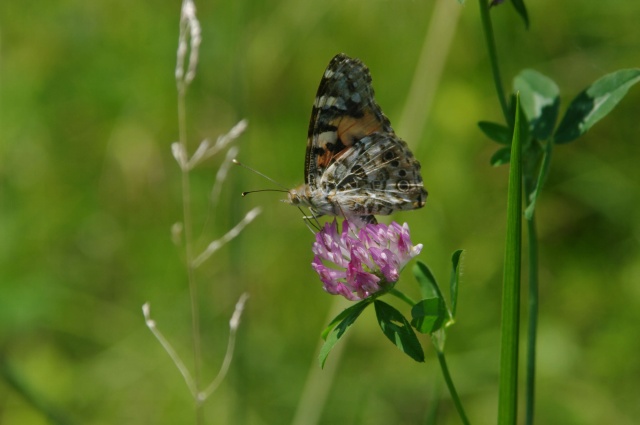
<point x="493" y="58"/>
<point x="402" y="296"/>
<point x="452" y="389"/>
<point x="151" y="324"/>
<point x="508" y="392"/>
<point x="532" y="331"/>
<point x="188" y="237"/>
<point x="224" y="369"/>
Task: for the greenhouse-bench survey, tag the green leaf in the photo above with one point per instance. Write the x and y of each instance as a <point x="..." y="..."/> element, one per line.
<point x="507" y="400"/>
<point x="429" y="315"/>
<point x="398" y="330"/>
<point x="540" y="100"/>
<point x="500" y="157"/>
<point x="455" y="278"/>
<point x="333" y="333"/>
<point x="428" y="285"/>
<point x="594" y="103"/>
<point x="522" y="11"/>
<point x="542" y="176"/>
<point x="358" y="307"/>
<point x="496" y="132"/>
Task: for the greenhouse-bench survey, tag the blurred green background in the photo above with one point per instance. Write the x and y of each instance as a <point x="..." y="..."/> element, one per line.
<point x="89" y="191"/>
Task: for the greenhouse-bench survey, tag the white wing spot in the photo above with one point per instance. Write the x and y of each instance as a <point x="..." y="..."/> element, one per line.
<point x="329" y="101"/>
<point x="327" y="137"/>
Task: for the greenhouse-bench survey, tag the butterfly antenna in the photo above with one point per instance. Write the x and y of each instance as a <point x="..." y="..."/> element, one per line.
<point x="263" y="190"/>
<point x="235" y="161"/>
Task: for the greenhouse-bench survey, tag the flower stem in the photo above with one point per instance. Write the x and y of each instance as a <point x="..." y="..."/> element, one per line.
<point x="493" y="58"/>
<point x="452" y="389"/>
<point x="402" y="296"/>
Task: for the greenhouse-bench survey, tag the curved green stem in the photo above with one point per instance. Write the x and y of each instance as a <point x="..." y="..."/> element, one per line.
<point x="452" y="389"/>
<point x="402" y="296"/>
<point x="493" y="59"/>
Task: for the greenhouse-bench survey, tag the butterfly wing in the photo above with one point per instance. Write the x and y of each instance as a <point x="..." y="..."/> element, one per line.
<point x="344" y="111"/>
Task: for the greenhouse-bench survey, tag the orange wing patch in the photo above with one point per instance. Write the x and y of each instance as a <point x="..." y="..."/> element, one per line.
<point x="351" y="129"/>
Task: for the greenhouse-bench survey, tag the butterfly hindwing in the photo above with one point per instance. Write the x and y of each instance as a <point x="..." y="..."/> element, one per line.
<point x="378" y="175"/>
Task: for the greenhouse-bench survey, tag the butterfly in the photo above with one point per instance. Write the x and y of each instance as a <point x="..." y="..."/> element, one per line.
<point x="355" y="165"/>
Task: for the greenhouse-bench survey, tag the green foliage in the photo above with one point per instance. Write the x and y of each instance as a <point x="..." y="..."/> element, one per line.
<point x="540" y="100"/>
<point x="426" y="281"/>
<point x="454" y="280"/>
<point x="500" y="157"/>
<point x="540" y="103"/>
<point x="398" y="330"/>
<point x="338" y="326"/>
<point x="497" y="132"/>
<point x="429" y="315"/>
<point x="594" y="103"/>
<point x="522" y="11"/>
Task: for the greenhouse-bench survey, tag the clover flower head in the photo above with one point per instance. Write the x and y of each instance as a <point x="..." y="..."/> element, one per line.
<point x="357" y="263"/>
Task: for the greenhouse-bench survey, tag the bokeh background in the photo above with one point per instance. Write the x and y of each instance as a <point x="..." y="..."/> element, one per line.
<point x="89" y="191"/>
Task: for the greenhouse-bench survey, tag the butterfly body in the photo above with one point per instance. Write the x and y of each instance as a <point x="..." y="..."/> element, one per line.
<point x="355" y="164"/>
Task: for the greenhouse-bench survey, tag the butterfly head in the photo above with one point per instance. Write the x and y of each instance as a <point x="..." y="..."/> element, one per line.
<point x="299" y="196"/>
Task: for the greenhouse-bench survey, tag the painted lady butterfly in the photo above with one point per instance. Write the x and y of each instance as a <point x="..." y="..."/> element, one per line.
<point x="355" y="164"/>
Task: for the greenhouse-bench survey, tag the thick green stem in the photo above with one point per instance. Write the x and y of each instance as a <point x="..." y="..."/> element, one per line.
<point x="493" y="59"/>
<point x="532" y="331"/>
<point x="508" y="393"/>
<point x="452" y="389"/>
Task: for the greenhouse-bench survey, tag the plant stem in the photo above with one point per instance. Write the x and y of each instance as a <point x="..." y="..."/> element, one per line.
<point x="452" y="389"/>
<point x="532" y="331"/>
<point x="402" y="296"/>
<point x="493" y="59"/>
<point x="188" y="238"/>
<point x="508" y="392"/>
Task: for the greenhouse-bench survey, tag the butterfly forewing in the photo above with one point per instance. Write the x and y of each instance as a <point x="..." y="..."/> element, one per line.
<point x="355" y="165"/>
<point x="344" y="111"/>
